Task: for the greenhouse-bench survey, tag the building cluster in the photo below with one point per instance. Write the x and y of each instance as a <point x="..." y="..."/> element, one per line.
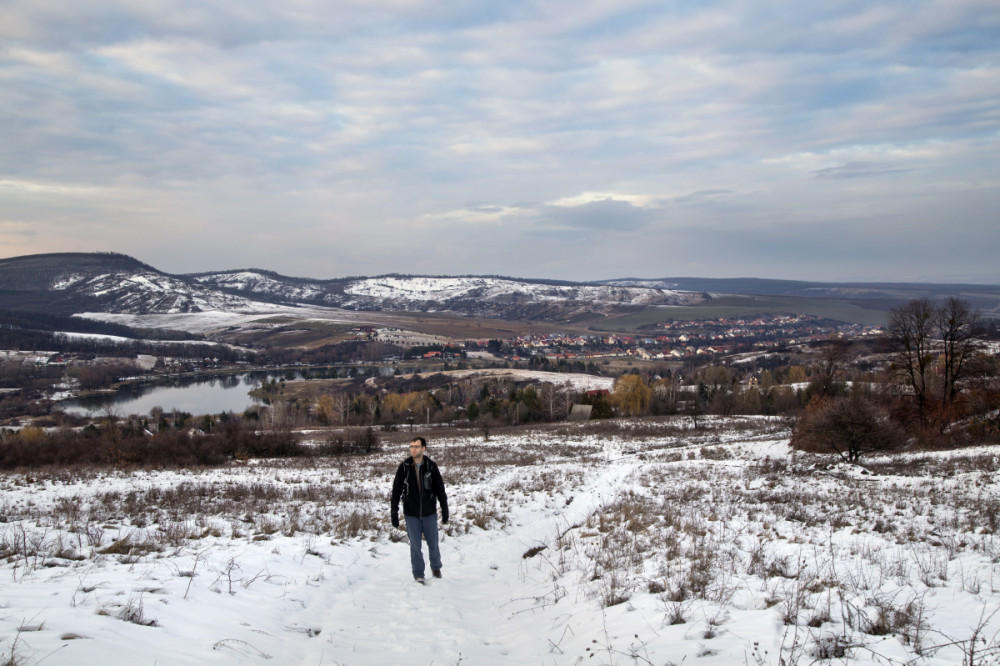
<point x="145" y="362"/>
<point x="677" y="340"/>
<point x="18" y="357"/>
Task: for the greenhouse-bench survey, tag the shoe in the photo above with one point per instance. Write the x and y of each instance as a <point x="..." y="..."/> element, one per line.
<point x="419" y="579"/>
<point x="437" y="573"/>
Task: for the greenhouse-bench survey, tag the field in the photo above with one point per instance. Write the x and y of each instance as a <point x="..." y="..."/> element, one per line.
<point x="749" y="306"/>
<point x="626" y="542"/>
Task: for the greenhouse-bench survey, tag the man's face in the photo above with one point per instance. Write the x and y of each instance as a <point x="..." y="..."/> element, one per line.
<point x="416" y="450"/>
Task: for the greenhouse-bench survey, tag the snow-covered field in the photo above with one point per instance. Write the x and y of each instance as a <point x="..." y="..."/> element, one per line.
<point x="575" y="380"/>
<point x="628" y="543"/>
<point x="117" y="338"/>
<point x="216" y="320"/>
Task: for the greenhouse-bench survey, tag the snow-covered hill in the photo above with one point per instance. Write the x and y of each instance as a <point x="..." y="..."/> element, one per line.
<point x="118" y="284"/>
<point x="488" y="295"/>
<point x="474" y="295"/>
<point x="469" y="295"/>
<point x="149" y="292"/>
<point x="265" y="283"/>
<point x="113" y="283"/>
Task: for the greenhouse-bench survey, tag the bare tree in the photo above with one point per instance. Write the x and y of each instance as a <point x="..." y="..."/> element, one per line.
<point x="911" y="327"/>
<point x="667" y="391"/>
<point x="956" y="323"/>
<point x="563" y="398"/>
<point x="835" y="356"/>
<point x="341" y="403"/>
<point x="921" y="331"/>
<point x="547" y="396"/>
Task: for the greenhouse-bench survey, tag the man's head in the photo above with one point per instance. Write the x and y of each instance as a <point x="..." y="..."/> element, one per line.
<point x="417" y="447"/>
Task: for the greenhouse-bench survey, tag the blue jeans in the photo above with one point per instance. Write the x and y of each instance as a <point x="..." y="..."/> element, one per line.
<point x="426" y="527"/>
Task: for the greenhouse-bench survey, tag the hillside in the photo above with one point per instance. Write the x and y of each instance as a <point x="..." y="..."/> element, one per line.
<point x="117" y="284"/>
<point x="632" y="543"/>
<point x="872" y="295"/>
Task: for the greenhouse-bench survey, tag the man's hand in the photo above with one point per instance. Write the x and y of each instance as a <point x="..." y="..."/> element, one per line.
<point x="395" y="521"/>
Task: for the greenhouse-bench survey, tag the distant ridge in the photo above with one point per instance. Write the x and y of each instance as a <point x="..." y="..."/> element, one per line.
<point x="775" y="287"/>
<point x="36" y="272"/>
<point x="114" y="283"/>
<point x="67" y="283"/>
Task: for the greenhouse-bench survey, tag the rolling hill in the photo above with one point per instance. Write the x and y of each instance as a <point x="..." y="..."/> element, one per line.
<point x="69" y="283"/>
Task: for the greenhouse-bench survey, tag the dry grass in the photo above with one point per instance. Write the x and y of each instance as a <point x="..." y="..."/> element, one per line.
<point x="845" y="557"/>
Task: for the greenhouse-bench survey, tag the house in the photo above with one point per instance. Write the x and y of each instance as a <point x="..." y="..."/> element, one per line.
<point x="145" y="361"/>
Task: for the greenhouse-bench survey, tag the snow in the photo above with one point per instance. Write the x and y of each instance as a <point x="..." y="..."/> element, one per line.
<point x="487" y="289"/>
<point x="66" y="281"/>
<point x="213" y="320"/>
<point x="261" y="283"/>
<point x="575" y="380"/>
<point x="148" y="292"/>
<point x="258" y="563"/>
<point x="94" y="336"/>
<point x="118" y="338"/>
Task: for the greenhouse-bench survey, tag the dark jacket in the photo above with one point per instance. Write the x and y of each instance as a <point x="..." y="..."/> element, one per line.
<point x="416" y="503"/>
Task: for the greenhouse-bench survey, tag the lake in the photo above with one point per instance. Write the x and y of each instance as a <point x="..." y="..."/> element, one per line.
<point x="225" y="393"/>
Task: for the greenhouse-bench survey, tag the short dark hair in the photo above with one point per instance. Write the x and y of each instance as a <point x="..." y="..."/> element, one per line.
<point x="423" y="442"/>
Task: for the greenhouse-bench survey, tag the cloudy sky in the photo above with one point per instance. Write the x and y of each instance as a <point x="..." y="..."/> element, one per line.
<point x="583" y="139"/>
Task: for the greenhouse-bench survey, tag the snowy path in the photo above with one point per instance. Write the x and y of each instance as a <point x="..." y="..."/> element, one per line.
<point x="486" y="609"/>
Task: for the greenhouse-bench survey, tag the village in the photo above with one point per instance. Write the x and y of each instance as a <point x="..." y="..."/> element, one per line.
<point x="678" y="340"/>
<point x="670" y="341"/>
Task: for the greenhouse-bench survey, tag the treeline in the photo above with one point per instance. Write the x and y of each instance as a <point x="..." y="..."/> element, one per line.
<point x="29" y="377"/>
<point x="343" y="352"/>
<point x="439" y="399"/>
<point x="170" y="440"/>
<point x="39" y="322"/>
<point x="43" y="321"/>
<point x="37" y="272"/>
<point x="34" y="340"/>
<point x="130" y="443"/>
<point x="419" y="351"/>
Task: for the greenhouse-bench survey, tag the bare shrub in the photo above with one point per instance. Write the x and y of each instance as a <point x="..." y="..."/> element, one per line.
<point x="678" y="612"/>
<point x="131" y="546"/>
<point x="113" y="445"/>
<point x="830" y="646"/>
<point x="365" y="443"/>
<point x="11" y="656"/>
<point x="133" y="611"/>
<point x="486" y="517"/>
<point x="891" y="618"/>
<point x="849" y="427"/>
<point x="615" y="587"/>
<point x="356" y="523"/>
<point x="176" y="533"/>
<point x="25" y="547"/>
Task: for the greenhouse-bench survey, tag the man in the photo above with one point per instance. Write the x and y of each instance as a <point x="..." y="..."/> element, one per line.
<point x="418" y="482"/>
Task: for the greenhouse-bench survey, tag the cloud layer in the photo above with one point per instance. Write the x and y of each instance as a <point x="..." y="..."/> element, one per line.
<point x="583" y="140"/>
